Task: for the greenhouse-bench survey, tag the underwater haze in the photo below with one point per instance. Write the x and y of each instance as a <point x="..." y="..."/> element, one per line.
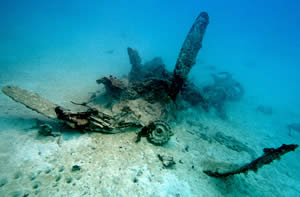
<point x="256" y="40"/>
<point x="59" y="48"/>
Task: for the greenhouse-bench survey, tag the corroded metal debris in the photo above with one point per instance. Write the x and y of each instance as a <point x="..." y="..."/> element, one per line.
<point x="157" y="133"/>
<point x="188" y="53"/>
<point x="232" y="89"/>
<point x="90" y="120"/>
<point x="114" y="87"/>
<point x="94" y="120"/>
<point x="270" y="154"/>
<point x="151" y="91"/>
<point x="224" y="89"/>
<point x="167" y="161"/>
<point x="148" y="94"/>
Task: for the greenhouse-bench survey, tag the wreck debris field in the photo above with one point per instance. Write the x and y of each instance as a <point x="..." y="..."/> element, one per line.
<point x="149" y="98"/>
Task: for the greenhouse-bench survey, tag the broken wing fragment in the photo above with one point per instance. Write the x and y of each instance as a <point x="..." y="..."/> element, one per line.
<point x="90" y="120"/>
<point x="31" y="100"/>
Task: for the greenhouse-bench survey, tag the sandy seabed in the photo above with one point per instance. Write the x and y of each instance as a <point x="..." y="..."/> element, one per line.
<point x="114" y="165"/>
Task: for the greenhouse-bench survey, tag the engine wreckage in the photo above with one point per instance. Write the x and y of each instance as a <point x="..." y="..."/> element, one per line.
<point x="155" y="90"/>
<point x="149" y="84"/>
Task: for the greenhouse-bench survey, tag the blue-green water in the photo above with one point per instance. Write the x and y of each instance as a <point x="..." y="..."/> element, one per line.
<point x="258" y="41"/>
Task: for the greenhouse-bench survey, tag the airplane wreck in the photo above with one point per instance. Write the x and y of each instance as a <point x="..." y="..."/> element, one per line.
<point x="146" y="99"/>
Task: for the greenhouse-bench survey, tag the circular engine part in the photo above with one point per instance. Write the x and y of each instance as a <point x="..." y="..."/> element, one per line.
<point x="159" y="132"/>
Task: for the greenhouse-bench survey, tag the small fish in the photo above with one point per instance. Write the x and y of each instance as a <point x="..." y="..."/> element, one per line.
<point x="109" y="51"/>
<point x="293" y="126"/>
<point x="265" y="109"/>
